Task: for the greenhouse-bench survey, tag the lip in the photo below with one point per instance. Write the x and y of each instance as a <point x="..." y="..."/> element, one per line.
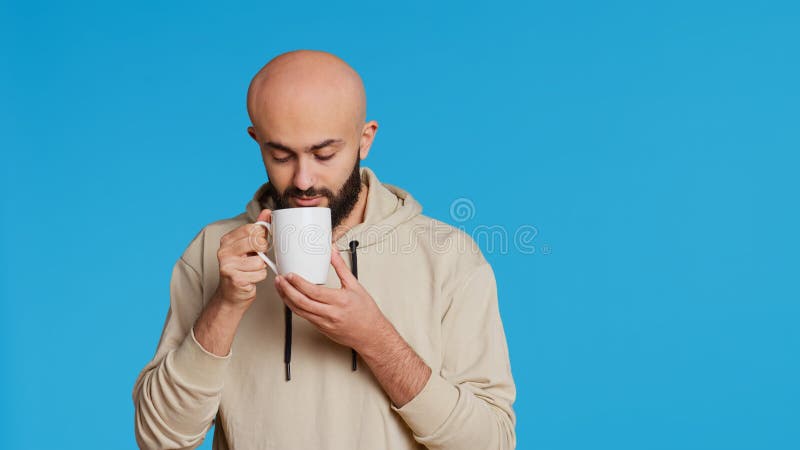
<point x="307" y="202"/>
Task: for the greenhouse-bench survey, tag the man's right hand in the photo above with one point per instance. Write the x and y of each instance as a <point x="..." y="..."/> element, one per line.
<point x="239" y="271"/>
<point x="239" y="266"/>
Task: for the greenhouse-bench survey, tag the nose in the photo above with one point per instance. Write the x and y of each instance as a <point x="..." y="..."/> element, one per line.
<point x="303" y="178"/>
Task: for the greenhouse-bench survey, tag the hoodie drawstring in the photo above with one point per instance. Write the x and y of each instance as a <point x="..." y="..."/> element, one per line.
<point x="287" y="341"/>
<point x="287" y="319"/>
<point x="354" y="265"/>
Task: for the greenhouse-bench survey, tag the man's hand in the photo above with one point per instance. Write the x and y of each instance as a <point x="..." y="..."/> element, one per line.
<point x="239" y="267"/>
<point x="348" y="315"/>
<point x="239" y="271"/>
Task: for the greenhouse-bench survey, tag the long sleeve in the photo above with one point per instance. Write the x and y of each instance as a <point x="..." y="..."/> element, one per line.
<point x="177" y="394"/>
<point x="468" y="405"/>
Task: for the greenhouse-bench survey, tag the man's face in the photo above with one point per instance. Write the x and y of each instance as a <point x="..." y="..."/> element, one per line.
<point x="341" y="201"/>
<point x="311" y="169"/>
<point x="308" y="117"/>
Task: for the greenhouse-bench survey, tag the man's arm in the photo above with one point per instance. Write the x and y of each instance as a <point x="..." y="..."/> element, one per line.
<point x="471" y="406"/>
<point x="469" y="403"/>
<point x="216" y="327"/>
<point x="177" y="394"/>
<point x="396" y="366"/>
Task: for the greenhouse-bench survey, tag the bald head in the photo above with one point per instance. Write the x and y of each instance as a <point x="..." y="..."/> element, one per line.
<point x="308" y="110"/>
<point x="308" y="88"/>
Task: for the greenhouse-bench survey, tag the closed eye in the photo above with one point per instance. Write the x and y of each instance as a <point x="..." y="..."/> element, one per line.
<point x="318" y="157"/>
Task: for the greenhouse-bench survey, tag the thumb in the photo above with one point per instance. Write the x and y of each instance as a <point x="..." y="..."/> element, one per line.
<point x="346" y="277"/>
<point x="264" y="216"/>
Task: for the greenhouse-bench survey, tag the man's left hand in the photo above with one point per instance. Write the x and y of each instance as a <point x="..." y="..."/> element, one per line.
<point x="348" y="315"/>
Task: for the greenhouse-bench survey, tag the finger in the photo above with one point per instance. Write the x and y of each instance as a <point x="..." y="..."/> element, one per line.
<point x="256" y="241"/>
<point x="236" y="264"/>
<point x="264" y="216"/>
<point x="259" y="237"/>
<point x="243" y="279"/>
<point x="244" y="230"/>
<point x="300" y="300"/>
<point x="318" y="321"/>
<point x="346" y="277"/>
<point x="256" y="276"/>
<point x="239" y="232"/>
<point x="311" y="290"/>
<point x="250" y="264"/>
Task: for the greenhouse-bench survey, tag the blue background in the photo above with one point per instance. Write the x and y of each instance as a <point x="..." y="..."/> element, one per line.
<point x="653" y="146"/>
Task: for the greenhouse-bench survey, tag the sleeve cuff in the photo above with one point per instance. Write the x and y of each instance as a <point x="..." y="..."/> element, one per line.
<point x="197" y="366"/>
<point x="428" y="411"/>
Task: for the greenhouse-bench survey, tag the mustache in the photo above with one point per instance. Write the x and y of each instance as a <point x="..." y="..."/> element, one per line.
<point x="310" y="192"/>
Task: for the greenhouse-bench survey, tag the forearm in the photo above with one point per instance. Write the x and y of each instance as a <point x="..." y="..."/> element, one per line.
<point x="216" y="327"/>
<point x="467" y="402"/>
<point x="473" y="423"/>
<point x="396" y="366"/>
<point x="177" y="396"/>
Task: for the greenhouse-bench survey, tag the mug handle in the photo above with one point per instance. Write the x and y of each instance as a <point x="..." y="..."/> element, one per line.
<point x="261" y="254"/>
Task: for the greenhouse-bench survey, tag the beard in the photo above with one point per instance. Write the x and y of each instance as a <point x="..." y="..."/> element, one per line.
<point x="341" y="204"/>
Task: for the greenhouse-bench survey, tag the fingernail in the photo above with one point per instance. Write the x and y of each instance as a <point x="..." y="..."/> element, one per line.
<point x="278" y="279"/>
<point x="289" y="276"/>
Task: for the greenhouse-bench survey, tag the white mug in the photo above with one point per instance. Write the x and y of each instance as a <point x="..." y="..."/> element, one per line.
<point x="301" y="238"/>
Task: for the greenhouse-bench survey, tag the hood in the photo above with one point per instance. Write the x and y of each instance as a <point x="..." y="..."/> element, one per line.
<point x="387" y="207"/>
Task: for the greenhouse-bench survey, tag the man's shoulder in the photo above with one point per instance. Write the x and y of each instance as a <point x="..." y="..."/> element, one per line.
<point x="223" y="226"/>
<point x="449" y="251"/>
<point x="444" y="241"/>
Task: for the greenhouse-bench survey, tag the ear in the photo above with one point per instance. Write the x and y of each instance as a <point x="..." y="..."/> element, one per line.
<point x="367" y="137"/>
<point x="252" y="132"/>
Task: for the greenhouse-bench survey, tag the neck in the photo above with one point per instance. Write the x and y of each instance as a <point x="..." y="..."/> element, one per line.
<point x="355" y="217"/>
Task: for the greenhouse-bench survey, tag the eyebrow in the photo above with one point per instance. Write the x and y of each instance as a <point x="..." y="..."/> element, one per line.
<point x="323" y="144"/>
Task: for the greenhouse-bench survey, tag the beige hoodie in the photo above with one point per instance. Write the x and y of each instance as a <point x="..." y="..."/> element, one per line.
<point x="431" y="282"/>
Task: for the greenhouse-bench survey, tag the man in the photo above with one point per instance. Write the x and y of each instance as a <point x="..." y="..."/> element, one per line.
<point x="422" y="314"/>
